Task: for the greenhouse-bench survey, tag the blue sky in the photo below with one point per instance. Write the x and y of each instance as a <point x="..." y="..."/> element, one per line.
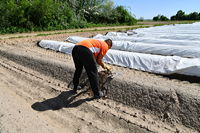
<point x="150" y="8"/>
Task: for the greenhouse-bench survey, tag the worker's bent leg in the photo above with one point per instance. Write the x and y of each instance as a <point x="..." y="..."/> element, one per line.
<point x="77" y="75"/>
<point x="93" y="77"/>
<point x="92" y="72"/>
<point x="78" y="66"/>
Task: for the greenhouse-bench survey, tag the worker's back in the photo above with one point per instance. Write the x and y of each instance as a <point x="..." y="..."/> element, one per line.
<point x="96" y="46"/>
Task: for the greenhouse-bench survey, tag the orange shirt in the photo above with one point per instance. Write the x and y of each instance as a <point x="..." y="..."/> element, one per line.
<point x="98" y="48"/>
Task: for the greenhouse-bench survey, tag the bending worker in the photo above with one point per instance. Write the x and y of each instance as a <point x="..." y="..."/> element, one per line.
<point x="85" y="54"/>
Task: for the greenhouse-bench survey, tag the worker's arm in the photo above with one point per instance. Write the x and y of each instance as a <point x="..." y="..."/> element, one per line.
<point x="100" y="62"/>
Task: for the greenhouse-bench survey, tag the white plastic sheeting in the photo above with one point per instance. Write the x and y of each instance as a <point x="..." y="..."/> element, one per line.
<point x="184" y="31"/>
<point x="149" y="39"/>
<point x="159" y="49"/>
<point x="145" y="62"/>
<point x="75" y="39"/>
<point x="57" y="46"/>
<point x="181" y="34"/>
<point x="154" y="63"/>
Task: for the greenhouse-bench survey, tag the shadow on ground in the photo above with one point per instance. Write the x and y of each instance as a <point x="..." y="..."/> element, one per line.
<point x="190" y="79"/>
<point x="64" y="100"/>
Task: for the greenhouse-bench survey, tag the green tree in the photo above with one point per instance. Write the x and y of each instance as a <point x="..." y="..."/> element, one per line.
<point x="41" y="13"/>
<point x="156" y="18"/>
<point x="107" y="14"/>
<point x="123" y="16"/>
<point x="173" y="17"/>
<point x="163" y="18"/>
<point x="194" y="16"/>
<point x="28" y="15"/>
<point x="180" y="15"/>
<point x="160" y="18"/>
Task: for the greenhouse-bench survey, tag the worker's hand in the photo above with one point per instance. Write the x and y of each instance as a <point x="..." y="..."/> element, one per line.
<point x="108" y="68"/>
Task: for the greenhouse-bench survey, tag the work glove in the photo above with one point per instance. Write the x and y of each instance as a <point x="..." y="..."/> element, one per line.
<point x="108" y="68"/>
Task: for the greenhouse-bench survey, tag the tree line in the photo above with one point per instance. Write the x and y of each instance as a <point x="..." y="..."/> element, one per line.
<point x="35" y="15"/>
<point x="180" y="15"/>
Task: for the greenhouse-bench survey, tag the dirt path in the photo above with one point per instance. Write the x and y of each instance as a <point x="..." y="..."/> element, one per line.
<point x="44" y="33"/>
<point x="32" y="102"/>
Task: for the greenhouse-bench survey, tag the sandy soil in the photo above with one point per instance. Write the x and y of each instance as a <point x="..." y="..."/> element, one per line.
<point x="34" y="103"/>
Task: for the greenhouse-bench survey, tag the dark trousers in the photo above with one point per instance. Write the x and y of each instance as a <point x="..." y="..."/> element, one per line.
<point x="83" y="57"/>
